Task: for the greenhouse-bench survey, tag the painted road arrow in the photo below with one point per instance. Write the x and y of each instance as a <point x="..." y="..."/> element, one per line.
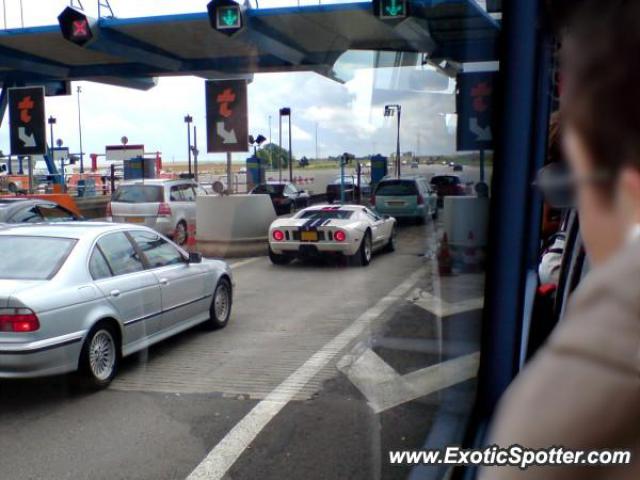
<point x="227" y="136"/>
<point x="29" y="141"/>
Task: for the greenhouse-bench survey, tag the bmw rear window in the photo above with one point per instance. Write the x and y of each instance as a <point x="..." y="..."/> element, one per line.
<point x="139" y="194"/>
<point x="397" y="188"/>
<point x="23" y="264"/>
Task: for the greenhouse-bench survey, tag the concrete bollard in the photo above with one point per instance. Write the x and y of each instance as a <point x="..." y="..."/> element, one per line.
<point x="233" y="226"/>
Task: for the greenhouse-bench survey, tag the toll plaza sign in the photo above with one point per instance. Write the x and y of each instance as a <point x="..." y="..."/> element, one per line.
<point x="227" y="112"/>
<point x="475" y="112"/>
<point x="27" y="121"/>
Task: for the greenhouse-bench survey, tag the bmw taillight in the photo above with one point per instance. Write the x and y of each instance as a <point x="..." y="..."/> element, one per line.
<point x="278" y="235"/>
<point x="164" y="210"/>
<point x="18" y="320"/>
<point x="339" y="236"/>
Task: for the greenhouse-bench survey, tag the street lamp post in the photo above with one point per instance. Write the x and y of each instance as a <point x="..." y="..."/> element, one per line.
<point x="80" y="132"/>
<point x="52" y="122"/>
<point x="389" y="111"/>
<point x="188" y="119"/>
<point x="286" y="112"/>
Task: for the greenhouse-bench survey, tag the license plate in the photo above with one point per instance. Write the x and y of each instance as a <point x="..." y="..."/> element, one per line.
<point x="396" y="204"/>
<point x="134" y="219"/>
<point x="309" y="236"/>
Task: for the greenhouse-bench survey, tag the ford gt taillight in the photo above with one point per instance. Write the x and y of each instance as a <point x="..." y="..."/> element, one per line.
<point x="18" y="320"/>
<point x="339" y="236"/>
<point x="278" y="235"/>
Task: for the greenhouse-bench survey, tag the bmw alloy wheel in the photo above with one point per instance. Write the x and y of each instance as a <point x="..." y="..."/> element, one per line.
<point x="102" y="355"/>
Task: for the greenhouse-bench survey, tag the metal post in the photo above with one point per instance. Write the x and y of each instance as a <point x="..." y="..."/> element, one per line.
<point x="113" y="177"/>
<point x="270" y="146"/>
<point x="398" y="142"/>
<point x="195" y="152"/>
<point x="482" y="165"/>
<point x="280" y="149"/>
<point x="80" y="131"/>
<point x="189" y="145"/>
<point x="30" y="167"/>
<point x="290" y="153"/>
<point x="229" y="174"/>
<point x="10" y="166"/>
<point x="359" y="172"/>
<point x="342" y="162"/>
<point x="20" y="166"/>
<point x="62" y="172"/>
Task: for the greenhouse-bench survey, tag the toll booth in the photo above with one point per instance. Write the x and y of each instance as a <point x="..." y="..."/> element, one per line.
<point x="256" y="171"/>
<point x="379" y="168"/>
<point x="139" y="168"/>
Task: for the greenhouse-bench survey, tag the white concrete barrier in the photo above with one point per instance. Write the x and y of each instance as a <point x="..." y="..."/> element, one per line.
<point x="466" y="223"/>
<point x="233" y="226"/>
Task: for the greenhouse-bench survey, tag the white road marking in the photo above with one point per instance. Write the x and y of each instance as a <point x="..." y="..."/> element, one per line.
<point x="242" y="263"/>
<point x="441" y="308"/>
<point x="224" y="454"/>
<point x="384" y="388"/>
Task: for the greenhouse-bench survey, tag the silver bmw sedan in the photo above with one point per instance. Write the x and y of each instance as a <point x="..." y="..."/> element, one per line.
<point x="80" y="296"/>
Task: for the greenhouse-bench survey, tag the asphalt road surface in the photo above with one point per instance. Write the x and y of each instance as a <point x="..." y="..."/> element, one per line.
<point x="321" y="371"/>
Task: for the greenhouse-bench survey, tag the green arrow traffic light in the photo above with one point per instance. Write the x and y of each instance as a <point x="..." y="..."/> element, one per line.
<point x="391" y="9"/>
<point x="228" y="17"/>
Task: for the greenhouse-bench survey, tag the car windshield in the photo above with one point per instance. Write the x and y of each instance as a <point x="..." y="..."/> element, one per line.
<point x="397" y="188"/>
<point x="327" y="214"/>
<point x="138" y="194"/>
<point x="22" y="264"/>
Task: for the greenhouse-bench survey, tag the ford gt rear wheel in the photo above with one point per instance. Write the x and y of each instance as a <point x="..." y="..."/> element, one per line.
<point x="277" y="259"/>
<point x="362" y="258"/>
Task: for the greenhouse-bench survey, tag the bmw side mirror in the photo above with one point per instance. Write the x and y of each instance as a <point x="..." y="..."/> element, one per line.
<point x="195" y="257"/>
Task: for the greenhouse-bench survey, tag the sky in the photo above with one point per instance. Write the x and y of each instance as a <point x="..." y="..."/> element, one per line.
<point x="347" y="117"/>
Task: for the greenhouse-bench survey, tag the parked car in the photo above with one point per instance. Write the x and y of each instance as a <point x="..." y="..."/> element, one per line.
<point x="285" y="196"/>
<point x="447" y="186"/>
<point x="415" y="165"/>
<point x="97" y="292"/>
<point x="351" y="188"/>
<point x="405" y="197"/>
<point x="167" y="206"/>
<point x="458" y="168"/>
<point x="352" y="231"/>
<point x="30" y="210"/>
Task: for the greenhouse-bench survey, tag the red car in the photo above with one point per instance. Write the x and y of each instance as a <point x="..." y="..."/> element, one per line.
<point x="447" y="186"/>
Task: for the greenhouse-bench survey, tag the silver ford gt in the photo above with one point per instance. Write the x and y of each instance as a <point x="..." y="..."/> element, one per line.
<point x="79" y="297"/>
<point x="352" y="231"/>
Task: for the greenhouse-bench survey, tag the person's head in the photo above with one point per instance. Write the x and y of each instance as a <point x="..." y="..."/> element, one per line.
<point x="600" y="104"/>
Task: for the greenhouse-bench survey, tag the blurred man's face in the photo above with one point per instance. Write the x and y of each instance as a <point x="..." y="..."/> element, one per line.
<point x="603" y="225"/>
